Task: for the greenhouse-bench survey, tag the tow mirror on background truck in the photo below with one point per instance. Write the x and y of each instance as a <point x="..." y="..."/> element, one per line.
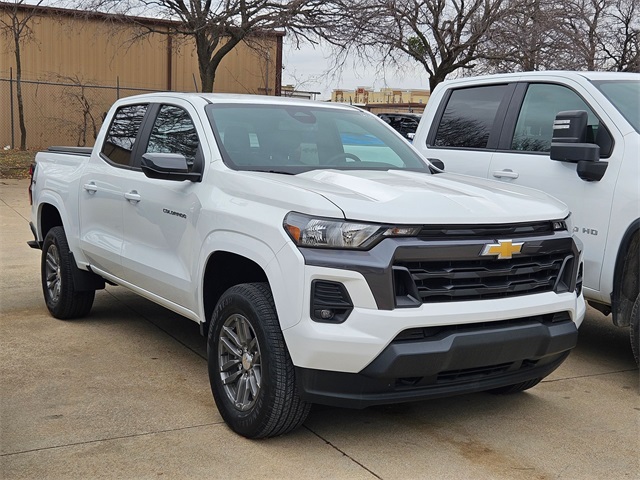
<point x="569" y="145"/>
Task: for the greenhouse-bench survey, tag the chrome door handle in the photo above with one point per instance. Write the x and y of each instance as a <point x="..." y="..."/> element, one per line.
<point x="90" y="187"/>
<point x="507" y="173"/>
<point x="132" y="196"/>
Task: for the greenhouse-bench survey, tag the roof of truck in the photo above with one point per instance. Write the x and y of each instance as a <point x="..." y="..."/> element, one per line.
<point x="549" y="75"/>
<point x="236" y="98"/>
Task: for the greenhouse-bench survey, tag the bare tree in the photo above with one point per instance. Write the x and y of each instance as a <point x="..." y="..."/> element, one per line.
<point x="620" y="39"/>
<point x="76" y="92"/>
<point x="572" y="35"/>
<point x="525" y="38"/>
<point x="443" y="36"/>
<point x="583" y="26"/>
<point x="217" y="27"/>
<point x="15" y="23"/>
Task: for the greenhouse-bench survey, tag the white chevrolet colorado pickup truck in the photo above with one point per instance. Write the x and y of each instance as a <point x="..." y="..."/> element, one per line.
<point x="325" y="260"/>
<point x="573" y="135"/>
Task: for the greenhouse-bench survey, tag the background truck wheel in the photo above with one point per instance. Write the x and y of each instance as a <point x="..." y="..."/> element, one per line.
<point x="635" y="329"/>
<point x="518" y="387"/>
<point x="251" y="374"/>
<point x="60" y="294"/>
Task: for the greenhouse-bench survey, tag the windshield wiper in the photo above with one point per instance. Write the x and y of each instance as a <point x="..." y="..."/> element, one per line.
<point x="281" y="172"/>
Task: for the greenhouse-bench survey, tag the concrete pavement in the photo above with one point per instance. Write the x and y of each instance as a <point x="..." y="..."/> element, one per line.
<point x="124" y="394"/>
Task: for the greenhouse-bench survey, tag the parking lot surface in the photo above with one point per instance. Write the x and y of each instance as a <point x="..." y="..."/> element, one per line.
<point x="124" y="393"/>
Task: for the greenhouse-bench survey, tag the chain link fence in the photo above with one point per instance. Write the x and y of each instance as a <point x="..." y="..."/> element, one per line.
<point x="56" y="113"/>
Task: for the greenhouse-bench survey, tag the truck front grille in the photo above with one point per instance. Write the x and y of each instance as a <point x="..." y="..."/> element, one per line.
<point x="460" y="280"/>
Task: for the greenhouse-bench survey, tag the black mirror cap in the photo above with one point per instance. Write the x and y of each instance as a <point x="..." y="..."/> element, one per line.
<point x="591" y="171"/>
<point x="574" y="152"/>
<point x="436" y="162"/>
<point x="570" y="127"/>
<point x="168" y="166"/>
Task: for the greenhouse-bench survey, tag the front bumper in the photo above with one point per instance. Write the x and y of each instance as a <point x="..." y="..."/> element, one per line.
<point x="448" y="361"/>
<point x="351" y="346"/>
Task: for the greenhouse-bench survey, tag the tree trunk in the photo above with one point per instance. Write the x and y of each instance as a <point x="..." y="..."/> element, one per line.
<point x="23" y="128"/>
<point x="436" y="78"/>
<point x="205" y="67"/>
<point x="207" y="76"/>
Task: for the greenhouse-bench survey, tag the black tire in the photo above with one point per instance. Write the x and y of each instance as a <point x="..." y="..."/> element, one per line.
<point x="250" y="370"/>
<point x="516" y="388"/>
<point x="56" y="268"/>
<point x="635" y="329"/>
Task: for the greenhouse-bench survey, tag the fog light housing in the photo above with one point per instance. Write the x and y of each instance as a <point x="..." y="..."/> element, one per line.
<point x="330" y="302"/>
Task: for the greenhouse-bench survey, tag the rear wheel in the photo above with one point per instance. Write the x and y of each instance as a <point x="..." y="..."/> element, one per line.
<point x="62" y="298"/>
<point x="516" y="387"/>
<point x="251" y="374"/>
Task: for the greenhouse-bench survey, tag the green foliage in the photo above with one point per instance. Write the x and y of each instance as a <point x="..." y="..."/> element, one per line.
<point x="416" y="47"/>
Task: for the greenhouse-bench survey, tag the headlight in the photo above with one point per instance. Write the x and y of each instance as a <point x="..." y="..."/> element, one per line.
<point x="308" y="231"/>
<point x="565" y="224"/>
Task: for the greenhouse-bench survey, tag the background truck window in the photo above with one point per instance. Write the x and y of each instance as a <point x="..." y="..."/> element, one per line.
<point x="542" y="103"/>
<point x="469" y="117"/>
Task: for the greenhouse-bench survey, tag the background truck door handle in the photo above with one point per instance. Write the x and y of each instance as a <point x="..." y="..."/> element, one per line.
<point x="132" y="196"/>
<point x="90" y="187"/>
<point x="507" y="173"/>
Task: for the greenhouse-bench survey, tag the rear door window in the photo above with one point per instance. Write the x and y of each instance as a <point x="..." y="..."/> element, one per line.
<point x="469" y="117"/>
<point x="122" y="134"/>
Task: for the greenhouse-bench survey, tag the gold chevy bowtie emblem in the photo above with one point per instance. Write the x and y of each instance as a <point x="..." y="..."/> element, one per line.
<point x="504" y="249"/>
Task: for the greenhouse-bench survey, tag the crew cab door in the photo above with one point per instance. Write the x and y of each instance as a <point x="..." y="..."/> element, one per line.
<point x="100" y="199"/>
<point x="523" y="158"/>
<point x="160" y="251"/>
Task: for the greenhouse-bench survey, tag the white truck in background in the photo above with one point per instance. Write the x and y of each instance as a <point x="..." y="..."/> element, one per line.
<point x="573" y="135"/>
<point x="319" y="252"/>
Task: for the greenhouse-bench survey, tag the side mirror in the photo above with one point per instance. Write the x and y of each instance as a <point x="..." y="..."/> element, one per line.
<point x="591" y="171"/>
<point x="569" y="145"/>
<point x="436" y="162"/>
<point x="168" y="166"/>
<point x="411" y="136"/>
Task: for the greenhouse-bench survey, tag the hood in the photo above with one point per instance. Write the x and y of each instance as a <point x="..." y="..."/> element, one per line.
<point x="403" y="197"/>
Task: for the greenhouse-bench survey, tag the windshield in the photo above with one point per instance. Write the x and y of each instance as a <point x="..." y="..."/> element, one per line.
<point x="295" y="139"/>
<point x="625" y="96"/>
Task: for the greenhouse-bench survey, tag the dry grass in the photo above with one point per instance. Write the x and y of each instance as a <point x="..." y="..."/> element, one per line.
<point x="15" y="163"/>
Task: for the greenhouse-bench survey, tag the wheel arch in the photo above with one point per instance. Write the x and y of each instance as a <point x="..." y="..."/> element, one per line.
<point x="48" y="217"/>
<point x="626" y="275"/>
<point x="235" y="268"/>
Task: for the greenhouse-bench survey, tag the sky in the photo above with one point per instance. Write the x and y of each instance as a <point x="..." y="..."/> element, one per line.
<point x="306" y="69"/>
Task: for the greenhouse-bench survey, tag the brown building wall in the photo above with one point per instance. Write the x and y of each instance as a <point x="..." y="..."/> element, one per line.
<point x="98" y="51"/>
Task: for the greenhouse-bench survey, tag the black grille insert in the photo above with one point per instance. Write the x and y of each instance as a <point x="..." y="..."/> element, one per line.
<point x="459" y="280"/>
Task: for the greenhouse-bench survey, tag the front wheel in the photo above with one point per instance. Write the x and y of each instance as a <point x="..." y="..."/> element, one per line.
<point x="250" y="370"/>
<point x="63" y="300"/>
